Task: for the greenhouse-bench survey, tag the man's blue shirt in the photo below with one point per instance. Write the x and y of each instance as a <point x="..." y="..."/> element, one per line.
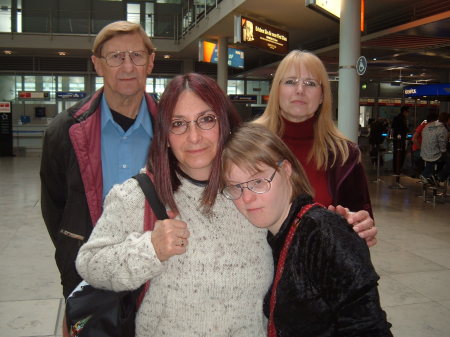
<point x="124" y="153"/>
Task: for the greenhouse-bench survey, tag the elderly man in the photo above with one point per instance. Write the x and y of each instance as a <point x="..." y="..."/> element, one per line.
<point x="101" y="141"/>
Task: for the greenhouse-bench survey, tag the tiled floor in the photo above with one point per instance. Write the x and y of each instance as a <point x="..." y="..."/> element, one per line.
<point x="412" y="257"/>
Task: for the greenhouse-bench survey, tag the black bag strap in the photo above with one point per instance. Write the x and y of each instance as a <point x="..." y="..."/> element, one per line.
<point x="150" y="194"/>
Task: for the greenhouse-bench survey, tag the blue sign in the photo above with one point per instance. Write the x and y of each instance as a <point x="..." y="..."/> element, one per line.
<point x="70" y="94"/>
<point x="361" y="65"/>
<point x="442" y="89"/>
<point x="235" y="57"/>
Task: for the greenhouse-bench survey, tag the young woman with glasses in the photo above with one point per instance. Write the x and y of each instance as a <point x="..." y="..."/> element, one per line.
<point x="299" y="111"/>
<point x="209" y="269"/>
<point x="325" y="283"/>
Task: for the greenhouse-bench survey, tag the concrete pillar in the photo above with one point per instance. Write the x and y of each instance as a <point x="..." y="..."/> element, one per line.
<point x="222" y="66"/>
<point x="349" y="50"/>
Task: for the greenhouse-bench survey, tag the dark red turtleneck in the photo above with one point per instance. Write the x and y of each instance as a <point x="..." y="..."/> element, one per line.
<point x="299" y="137"/>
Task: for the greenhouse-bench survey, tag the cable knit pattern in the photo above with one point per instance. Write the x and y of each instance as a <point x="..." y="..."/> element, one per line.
<point x="215" y="289"/>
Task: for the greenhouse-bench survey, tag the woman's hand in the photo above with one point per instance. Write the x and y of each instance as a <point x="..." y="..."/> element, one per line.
<point x="361" y="221"/>
<point x="169" y="238"/>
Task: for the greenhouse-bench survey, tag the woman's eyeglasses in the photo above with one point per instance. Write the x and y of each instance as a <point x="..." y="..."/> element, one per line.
<point x="259" y="186"/>
<point x="204" y="122"/>
<point x="116" y="58"/>
<point x="292" y="82"/>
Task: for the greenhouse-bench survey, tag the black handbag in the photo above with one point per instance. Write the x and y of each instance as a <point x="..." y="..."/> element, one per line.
<point x="92" y="312"/>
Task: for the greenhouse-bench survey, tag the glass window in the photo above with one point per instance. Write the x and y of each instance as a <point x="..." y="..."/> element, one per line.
<point x="149" y="85"/>
<point x="29" y="83"/>
<point x="134" y="13"/>
<point x="258" y="87"/>
<point x="177" y="2"/>
<point x="149" y="18"/>
<point x="5" y="15"/>
<point x="19" y="83"/>
<point x="19" y="16"/>
<point x="48" y="83"/>
<point x="71" y="83"/>
<point x="98" y="82"/>
<point x="160" y="85"/>
<point x="236" y="87"/>
<point x="8" y="87"/>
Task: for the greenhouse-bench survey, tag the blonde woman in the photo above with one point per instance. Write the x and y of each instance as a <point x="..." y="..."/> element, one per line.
<point x="299" y="111"/>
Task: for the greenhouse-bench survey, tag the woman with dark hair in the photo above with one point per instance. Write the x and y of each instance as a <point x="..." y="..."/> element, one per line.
<point x="209" y="269"/>
<point x="165" y="163"/>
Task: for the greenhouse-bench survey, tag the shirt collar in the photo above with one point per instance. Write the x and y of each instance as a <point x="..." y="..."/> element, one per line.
<point x="142" y="119"/>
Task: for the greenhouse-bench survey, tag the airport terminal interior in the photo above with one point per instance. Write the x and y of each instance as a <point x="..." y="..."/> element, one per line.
<point x="45" y="67"/>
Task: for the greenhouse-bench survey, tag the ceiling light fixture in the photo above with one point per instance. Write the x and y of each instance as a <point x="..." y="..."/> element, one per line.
<point x="167" y="56"/>
<point x="62" y="53"/>
<point x="7" y="52"/>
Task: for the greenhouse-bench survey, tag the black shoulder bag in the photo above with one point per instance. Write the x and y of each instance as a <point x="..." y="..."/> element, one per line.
<point x="92" y="312"/>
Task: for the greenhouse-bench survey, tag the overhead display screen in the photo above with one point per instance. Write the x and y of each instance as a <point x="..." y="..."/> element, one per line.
<point x="260" y="35"/>
<point x="208" y="53"/>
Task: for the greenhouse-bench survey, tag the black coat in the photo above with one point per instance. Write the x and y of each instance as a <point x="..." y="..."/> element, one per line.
<point x="329" y="285"/>
<point x="72" y="182"/>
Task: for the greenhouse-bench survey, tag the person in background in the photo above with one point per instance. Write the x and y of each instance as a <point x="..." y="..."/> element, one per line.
<point x="417" y="161"/>
<point x="209" y="269"/>
<point x="325" y="283"/>
<point x="444" y="174"/>
<point x="101" y="141"/>
<point x="377" y="135"/>
<point x="399" y="134"/>
<point x="299" y="111"/>
<point x="434" y="148"/>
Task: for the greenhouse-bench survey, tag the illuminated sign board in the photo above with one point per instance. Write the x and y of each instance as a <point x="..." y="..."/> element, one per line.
<point x="441" y="90"/>
<point x="330" y="8"/>
<point x="5" y="107"/>
<point x="256" y="34"/>
<point x="70" y="94"/>
<point x="34" y="95"/>
<point x="208" y="53"/>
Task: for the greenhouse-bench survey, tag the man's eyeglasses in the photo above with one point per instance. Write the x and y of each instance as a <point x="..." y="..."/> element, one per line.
<point x="116" y="58"/>
<point x="204" y="122"/>
<point x="259" y="186"/>
<point x="292" y="82"/>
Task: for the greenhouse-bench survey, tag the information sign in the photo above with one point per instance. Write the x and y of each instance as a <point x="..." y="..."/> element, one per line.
<point x="260" y="35"/>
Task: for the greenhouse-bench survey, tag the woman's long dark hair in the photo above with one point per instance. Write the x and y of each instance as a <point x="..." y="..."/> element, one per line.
<point x="161" y="159"/>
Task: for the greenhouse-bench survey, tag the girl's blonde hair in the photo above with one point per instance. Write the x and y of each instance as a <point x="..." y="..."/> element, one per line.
<point x="253" y="145"/>
<point x="329" y="143"/>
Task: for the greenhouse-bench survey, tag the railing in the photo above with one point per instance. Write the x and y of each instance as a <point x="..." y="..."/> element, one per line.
<point x="193" y="14"/>
<point x="51" y="21"/>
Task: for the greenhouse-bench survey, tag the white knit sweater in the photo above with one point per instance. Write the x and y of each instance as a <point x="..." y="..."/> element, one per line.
<point x="215" y="289"/>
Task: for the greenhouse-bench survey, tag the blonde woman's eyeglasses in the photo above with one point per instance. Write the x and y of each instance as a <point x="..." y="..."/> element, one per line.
<point x="292" y="82"/>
